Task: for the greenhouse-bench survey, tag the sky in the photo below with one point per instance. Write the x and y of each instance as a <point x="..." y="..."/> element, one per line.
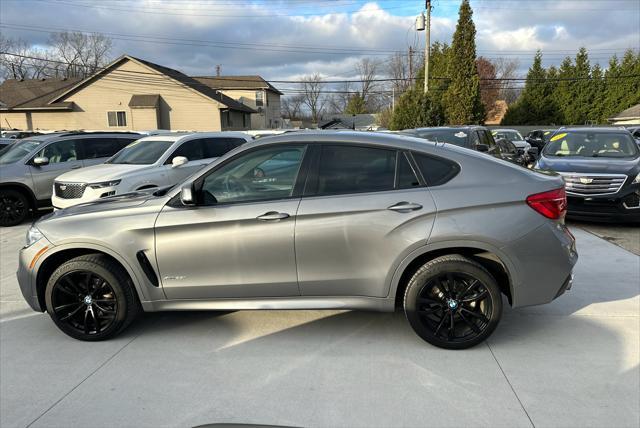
<point x="286" y="39"/>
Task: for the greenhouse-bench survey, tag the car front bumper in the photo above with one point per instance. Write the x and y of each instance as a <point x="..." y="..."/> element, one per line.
<point x="28" y="264"/>
<point x="621" y="207"/>
<point x="89" y="195"/>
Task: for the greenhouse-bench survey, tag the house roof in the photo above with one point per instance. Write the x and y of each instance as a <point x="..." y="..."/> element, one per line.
<point x="630" y="113"/>
<point x="237" y="82"/>
<point x="34" y="93"/>
<point x="144" y="101"/>
<point x="49" y="93"/>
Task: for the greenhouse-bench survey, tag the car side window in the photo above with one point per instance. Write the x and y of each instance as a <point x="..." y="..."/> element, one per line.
<point x="435" y="170"/>
<point x="60" y="151"/>
<point x="259" y="175"/>
<point x="406" y="177"/>
<point x="354" y="169"/>
<point x="93" y="148"/>
<point x="216" y="147"/>
<point x="474" y="139"/>
<point x="192" y="150"/>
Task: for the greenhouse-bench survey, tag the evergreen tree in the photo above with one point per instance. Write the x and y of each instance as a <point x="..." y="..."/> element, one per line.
<point x="580" y="105"/>
<point x="596" y="95"/>
<point x="415" y="109"/>
<point x="356" y="105"/>
<point x="563" y="93"/>
<point x="462" y="100"/>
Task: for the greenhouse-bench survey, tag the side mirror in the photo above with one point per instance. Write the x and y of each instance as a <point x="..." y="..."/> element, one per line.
<point x="41" y="161"/>
<point x="188" y="195"/>
<point x="178" y="161"/>
<point x="482" y="148"/>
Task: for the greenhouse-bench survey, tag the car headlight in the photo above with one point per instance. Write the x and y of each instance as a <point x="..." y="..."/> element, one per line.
<point x="104" y="184"/>
<point x="33" y="236"/>
<point x="637" y="179"/>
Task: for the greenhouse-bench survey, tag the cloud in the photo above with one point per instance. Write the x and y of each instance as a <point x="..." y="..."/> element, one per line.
<point x="278" y="46"/>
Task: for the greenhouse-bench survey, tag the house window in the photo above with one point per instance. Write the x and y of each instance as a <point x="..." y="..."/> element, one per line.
<point x="117" y="118"/>
<point x="259" y="98"/>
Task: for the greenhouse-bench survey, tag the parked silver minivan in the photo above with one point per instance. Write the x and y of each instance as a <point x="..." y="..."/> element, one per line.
<point x="314" y="220"/>
<point x="29" y="166"/>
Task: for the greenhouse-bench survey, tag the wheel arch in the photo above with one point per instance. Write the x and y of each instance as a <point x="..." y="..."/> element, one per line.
<point x="60" y="255"/>
<point x="490" y="258"/>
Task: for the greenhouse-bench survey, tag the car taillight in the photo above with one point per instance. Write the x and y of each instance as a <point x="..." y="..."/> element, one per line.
<point x="551" y="204"/>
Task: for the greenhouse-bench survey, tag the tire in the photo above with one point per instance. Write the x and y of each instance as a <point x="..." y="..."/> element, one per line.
<point x="453" y="302"/>
<point x="91" y="298"/>
<point x="14" y="207"/>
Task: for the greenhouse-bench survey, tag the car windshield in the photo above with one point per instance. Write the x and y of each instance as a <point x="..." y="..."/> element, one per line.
<point x="141" y="152"/>
<point x="456" y="137"/>
<point x="592" y="144"/>
<point x="18" y="150"/>
<point x="507" y="135"/>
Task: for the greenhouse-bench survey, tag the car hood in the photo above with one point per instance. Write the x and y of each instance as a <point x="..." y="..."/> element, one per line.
<point x="118" y="202"/>
<point x="99" y="173"/>
<point x="521" y="144"/>
<point x="591" y="165"/>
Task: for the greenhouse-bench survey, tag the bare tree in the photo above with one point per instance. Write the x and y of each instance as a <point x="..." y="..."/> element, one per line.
<point x="82" y="54"/>
<point x="506" y="69"/>
<point x="312" y="93"/>
<point x="20" y="61"/>
<point x="338" y="101"/>
<point x="398" y="69"/>
<point x="292" y="106"/>
<point x="367" y="70"/>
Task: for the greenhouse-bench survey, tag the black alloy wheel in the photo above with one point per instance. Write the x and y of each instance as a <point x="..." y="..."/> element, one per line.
<point x="14" y="208"/>
<point x="85" y="302"/>
<point x="455" y="306"/>
<point x="91" y="297"/>
<point x="453" y="302"/>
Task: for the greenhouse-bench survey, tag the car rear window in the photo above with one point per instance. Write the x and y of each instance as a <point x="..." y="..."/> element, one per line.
<point x="436" y="171"/>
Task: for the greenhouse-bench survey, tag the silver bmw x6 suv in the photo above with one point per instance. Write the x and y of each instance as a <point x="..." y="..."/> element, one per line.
<point x="314" y="220"/>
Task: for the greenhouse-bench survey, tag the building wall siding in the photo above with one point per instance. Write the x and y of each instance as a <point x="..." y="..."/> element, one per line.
<point x="271" y="107"/>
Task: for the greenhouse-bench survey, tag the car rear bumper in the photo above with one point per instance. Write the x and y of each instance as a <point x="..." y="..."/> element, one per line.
<point x="544" y="259"/>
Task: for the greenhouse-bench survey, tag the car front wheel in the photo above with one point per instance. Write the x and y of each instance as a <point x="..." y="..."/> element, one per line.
<point x="453" y="302"/>
<point x="90" y="298"/>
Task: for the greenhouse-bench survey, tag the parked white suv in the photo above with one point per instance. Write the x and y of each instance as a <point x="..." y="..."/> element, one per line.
<point x="147" y="163"/>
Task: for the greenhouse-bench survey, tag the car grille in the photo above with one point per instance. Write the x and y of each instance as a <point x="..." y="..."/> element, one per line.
<point x="593" y="184"/>
<point x="69" y="190"/>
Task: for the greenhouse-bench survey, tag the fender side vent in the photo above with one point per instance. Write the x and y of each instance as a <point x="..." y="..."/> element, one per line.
<point x="147" y="268"/>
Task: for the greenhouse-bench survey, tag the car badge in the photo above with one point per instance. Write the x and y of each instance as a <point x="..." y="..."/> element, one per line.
<point x="585" y="180"/>
<point x="63" y="187"/>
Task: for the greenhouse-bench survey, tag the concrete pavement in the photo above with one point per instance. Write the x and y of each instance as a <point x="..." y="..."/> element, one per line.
<point x="574" y="362"/>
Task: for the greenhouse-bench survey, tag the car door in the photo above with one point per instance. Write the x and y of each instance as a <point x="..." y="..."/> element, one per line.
<point x="364" y="210"/>
<point x="63" y="156"/>
<point x="238" y="241"/>
<point x="194" y="151"/>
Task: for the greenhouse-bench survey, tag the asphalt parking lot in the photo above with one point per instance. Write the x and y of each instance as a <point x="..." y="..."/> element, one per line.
<point x="574" y="362"/>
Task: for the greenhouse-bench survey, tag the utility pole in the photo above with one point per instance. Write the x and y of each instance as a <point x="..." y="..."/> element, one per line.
<point x="427" y="47"/>
<point x="410" y="65"/>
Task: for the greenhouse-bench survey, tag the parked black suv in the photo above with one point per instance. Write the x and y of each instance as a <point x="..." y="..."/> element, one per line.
<point x="471" y="137"/>
<point x="601" y="169"/>
<point x="539" y="137"/>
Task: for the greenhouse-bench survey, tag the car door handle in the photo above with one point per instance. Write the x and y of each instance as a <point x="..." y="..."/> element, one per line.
<point x="272" y="215"/>
<point x="405" y="207"/>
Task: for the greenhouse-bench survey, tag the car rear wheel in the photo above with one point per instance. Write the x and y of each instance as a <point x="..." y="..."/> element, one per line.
<point x="453" y="302"/>
<point x="14" y="207"/>
<point x="90" y="298"/>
